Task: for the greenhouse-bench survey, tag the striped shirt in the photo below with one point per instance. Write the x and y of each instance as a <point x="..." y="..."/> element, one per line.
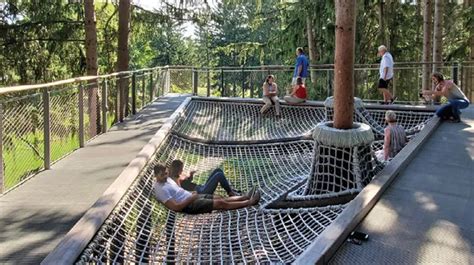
<point x="398" y="139"/>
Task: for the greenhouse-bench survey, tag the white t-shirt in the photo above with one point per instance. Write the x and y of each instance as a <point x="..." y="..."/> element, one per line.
<point x="387" y="61"/>
<point x="170" y="190"/>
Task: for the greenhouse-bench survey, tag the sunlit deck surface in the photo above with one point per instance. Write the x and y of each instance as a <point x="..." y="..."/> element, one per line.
<point x="36" y="215"/>
<point x="426" y="216"/>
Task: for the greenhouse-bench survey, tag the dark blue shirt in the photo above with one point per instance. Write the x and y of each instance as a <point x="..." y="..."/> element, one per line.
<point x="303" y="61"/>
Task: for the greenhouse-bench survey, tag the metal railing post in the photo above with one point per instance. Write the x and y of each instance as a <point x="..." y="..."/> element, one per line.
<point x="243" y="82"/>
<point x="104" y="106"/>
<point x="208" y="83"/>
<point x="195" y="82"/>
<point x="46" y="129"/>
<point x="454" y="72"/>
<point x="134" y="94"/>
<point x="143" y="89"/>
<point x="222" y="83"/>
<point x="81" y="116"/>
<point x="152" y="89"/>
<point x="2" y="174"/>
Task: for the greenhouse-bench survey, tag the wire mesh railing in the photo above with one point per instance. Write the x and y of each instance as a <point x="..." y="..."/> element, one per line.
<point x="244" y="81"/>
<point x="40" y="124"/>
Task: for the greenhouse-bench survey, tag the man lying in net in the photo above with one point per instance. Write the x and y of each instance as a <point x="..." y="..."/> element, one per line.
<point x="180" y="200"/>
<point x="185" y="181"/>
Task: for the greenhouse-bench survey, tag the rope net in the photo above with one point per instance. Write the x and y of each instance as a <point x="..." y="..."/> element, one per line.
<point x="142" y="230"/>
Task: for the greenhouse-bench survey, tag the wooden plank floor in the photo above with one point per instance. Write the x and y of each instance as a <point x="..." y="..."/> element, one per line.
<point x="426" y="216"/>
<point x="36" y="215"/>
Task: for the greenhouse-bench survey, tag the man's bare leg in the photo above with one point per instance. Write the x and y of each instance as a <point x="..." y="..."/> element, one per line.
<point x="236" y="198"/>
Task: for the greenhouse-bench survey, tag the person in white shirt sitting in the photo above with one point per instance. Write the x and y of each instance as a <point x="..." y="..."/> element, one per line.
<point x="178" y="199"/>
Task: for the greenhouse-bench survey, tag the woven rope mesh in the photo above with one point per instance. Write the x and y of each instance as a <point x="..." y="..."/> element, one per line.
<point x="141" y="230"/>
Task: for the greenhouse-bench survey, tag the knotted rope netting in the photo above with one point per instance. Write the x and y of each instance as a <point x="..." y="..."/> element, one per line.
<point x="141" y="230"/>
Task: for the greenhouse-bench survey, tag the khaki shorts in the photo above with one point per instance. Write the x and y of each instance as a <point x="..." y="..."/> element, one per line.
<point x="203" y="204"/>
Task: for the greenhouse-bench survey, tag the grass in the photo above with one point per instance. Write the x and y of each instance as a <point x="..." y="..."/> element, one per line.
<point x="22" y="159"/>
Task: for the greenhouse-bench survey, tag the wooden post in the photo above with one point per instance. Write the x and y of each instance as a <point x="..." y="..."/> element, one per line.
<point x="134" y="94"/>
<point x="46" y="129"/>
<point x="2" y="174"/>
<point x="344" y="64"/>
<point x="104" y="106"/>
<point x="81" y="116"/>
<point x="454" y="73"/>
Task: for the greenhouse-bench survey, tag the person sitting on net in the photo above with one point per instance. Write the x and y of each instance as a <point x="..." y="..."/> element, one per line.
<point x="178" y="199"/>
<point x="216" y="178"/>
<point x="456" y="98"/>
<point x="394" y="138"/>
<point x="270" y="94"/>
<point x="298" y="95"/>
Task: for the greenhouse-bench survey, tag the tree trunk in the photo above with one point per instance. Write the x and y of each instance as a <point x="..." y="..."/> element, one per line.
<point x="312" y="49"/>
<point x="91" y="65"/>
<point x="381" y="23"/>
<point x="468" y="85"/>
<point x="438" y="36"/>
<point x="344" y="63"/>
<point x="427" y="31"/>
<point x="123" y="56"/>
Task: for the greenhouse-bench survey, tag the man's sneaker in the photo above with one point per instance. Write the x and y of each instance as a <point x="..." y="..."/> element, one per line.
<point x="393" y="100"/>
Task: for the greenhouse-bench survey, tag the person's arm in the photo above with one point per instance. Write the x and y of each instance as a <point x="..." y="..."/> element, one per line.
<point x="276" y="90"/>
<point x="265" y="89"/>
<point x="300" y="69"/>
<point x="179" y="206"/>
<point x="443" y="92"/>
<point x="293" y="91"/>
<point x="385" y="71"/>
<point x="386" y="144"/>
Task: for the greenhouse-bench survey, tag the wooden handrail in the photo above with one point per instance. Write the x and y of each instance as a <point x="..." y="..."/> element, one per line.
<point x="22" y="88"/>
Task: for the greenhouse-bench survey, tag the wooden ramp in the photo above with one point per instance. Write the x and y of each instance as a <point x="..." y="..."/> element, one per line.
<point x="36" y="215"/>
<point x="426" y="216"/>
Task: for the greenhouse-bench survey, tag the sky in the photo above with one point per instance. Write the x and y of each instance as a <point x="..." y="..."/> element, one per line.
<point x="189" y="28"/>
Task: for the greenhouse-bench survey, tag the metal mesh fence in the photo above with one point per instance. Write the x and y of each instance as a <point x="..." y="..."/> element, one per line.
<point x="22" y="138"/>
<point x="95" y="103"/>
<point x="64" y="116"/>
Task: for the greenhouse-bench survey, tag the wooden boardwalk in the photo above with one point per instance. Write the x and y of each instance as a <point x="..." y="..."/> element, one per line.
<point x="36" y="215"/>
<point x="426" y="216"/>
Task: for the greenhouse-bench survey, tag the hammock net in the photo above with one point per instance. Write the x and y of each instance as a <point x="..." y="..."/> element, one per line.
<point x="276" y="155"/>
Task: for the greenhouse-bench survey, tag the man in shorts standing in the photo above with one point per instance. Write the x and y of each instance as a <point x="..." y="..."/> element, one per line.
<point x="386" y="74"/>
<point x="178" y="199"/>
<point x="301" y="67"/>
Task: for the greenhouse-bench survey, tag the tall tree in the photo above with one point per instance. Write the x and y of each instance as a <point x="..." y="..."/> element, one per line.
<point x="123" y="55"/>
<point x="91" y="63"/>
<point x="311" y="46"/>
<point x="469" y="84"/>
<point x="438" y="35"/>
<point x="427" y="33"/>
<point x="344" y="63"/>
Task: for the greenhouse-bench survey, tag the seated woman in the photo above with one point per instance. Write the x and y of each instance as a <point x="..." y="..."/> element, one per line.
<point x="298" y="95"/>
<point x="185" y="181"/>
<point x="456" y="98"/>
<point x="394" y="138"/>
<point x="179" y="200"/>
<point x="270" y="94"/>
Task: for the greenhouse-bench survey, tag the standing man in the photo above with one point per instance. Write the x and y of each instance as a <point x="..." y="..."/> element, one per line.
<point x="386" y="74"/>
<point x="301" y="67"/>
